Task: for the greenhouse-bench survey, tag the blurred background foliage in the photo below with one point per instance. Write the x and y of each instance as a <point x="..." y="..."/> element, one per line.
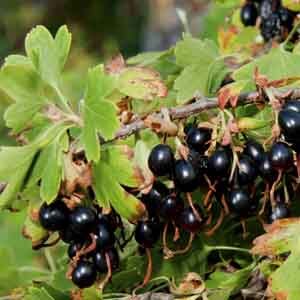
<point x="100" y="29"/>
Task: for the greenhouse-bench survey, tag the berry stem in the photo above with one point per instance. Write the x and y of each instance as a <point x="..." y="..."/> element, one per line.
<point x="228" y="248"/>
<point x="109" y="272"/>
<point x="190" y="201"/>
<point x="211" y="231"/>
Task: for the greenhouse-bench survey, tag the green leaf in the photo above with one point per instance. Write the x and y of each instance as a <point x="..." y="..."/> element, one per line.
<point x="286" y="280"/>
<point x="287" y="66"/>
<point x="34" y="232"/>
<point x="191" y="51"/>
<point x="147" y="58"/>
<point x="63" y="41"/>
<point x="216" y="73"/>
<point x="141" y="83"/>
<point x="9" y="275"/>
<point x="119" y="159"/>
<point x="231" y="282"/>
<point x="22" y="84"/>
<point x="15" y="164"/>
<point x="100" y="115"/>
<point x="52" y="174"/>
<point x="191" y="82"/>
<point x="109" y="192"/>
<point x="37" y="294"/>
<point x="42" y="50"/>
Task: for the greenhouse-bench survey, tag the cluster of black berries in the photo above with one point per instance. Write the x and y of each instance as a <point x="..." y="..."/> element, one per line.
<point x="90" y="236"/>
<point x="275" y="20"/>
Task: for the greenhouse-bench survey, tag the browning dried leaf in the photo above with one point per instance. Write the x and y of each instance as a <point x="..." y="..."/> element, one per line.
<point x="115" y="65"/>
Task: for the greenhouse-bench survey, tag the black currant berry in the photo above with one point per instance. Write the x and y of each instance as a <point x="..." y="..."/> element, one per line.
<point x="198" y="139"/>
<point x="154" y="197"/>
<point x="73" y="249"/>
<point x="247" y="171"/>
<point x="239" y="202"/>
<point x="147" y="233"/>
<point x="67" y="235"/>
<point x="219" y="163"/>
<point x="99" y="260"/>
<point x="281" y="156"/>
<point x="255" y="151"/>
<point x="266" y="8"/>
<point x="249" y="14"/>
<point x="170" y="207"/>
<point x="189" y="221"/>
<point x="286" y="17"/>
<point x="105" y="237"/>
<point x="266" y="170"/>
<point x="271" y="27"/>
<point x="292" y="105"/>
<point x="161" y="160"/>
<point x="84" y="275"/>
<point x="54" y="216"/>
<point x="110" y="220"/>
<point x="185" y="176"/>
<point x="280" y="211"/>
<point x="83" y="220"/>
<point x="289" y="122"/>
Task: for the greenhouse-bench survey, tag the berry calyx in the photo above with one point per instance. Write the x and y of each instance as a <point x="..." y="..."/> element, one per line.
<point x="54" y="216"/>
<point x="84" y="274"/>
<point x="161" y="160"/>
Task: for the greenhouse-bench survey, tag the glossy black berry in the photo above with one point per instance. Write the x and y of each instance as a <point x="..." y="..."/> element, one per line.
<point x="289" y="122"/>
<point x="83" y="220"/>
<point x="281" y="156"/>
<point x="154" y="197"/>
<point x="198" y="139"/>
<point x="67" y="235"/>
<point x="280" y="211"/>
<point x="247" y="171"/>
<point x="266" y="170"/>
<point x="170" y="207"/>
<point x="54" y="216"/>
<point x="292" y="105"/>
<point x="84" y="275"/>
<point x="185" y="176"/>
<point x="73" y="249"/>
<point x="161" y="160"/>
<point x="99" y="260"/>
<point x="239" y="202"/>
<point x="249" y="14"/>
<point x="271" y="27"/>
<point x="199" y="162"/>
<point x="105" y="237"/>
<point x="255" y="151"/>
<point x="266" y="9"/>
<point x="286" y="17"/>
<point x="219" y="163"/>
<point x="109" y="220"/>
<point x="189" y="221"/>
<point x="147" y="233"/>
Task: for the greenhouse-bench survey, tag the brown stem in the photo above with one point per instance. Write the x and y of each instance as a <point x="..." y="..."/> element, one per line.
<point x="149" y="268"/>
<point x="190" y="201"/>
<point x="273" y="188"/>
<point x="224" y="204"/>
<point x="109" y="272"/>
<point x="265" y="200"/>
<point x="190" y="109"/>
<point x="211" y="231"/>
<point x="187" y="247"/>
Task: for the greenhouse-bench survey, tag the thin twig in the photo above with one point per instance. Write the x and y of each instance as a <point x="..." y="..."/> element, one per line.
<point x="190" y="109"/>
